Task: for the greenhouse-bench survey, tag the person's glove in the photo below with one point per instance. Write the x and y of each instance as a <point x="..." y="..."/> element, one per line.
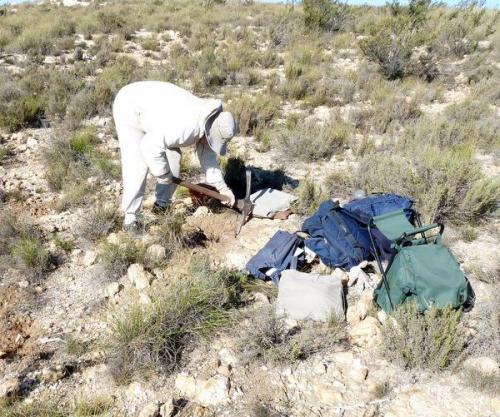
<point x="226" y="191"/>
<point x="165" y="179"/>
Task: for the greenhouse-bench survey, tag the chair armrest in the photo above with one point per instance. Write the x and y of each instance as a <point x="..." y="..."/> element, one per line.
<point x="418" y="230"/>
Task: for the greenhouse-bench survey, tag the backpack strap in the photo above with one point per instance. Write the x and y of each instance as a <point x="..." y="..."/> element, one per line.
<point x="347" y="233"/>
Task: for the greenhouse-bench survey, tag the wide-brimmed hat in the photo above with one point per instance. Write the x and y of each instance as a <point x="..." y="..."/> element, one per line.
<point x="219" y="130"/>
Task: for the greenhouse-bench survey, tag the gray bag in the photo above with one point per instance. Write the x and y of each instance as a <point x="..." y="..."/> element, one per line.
<point x="304" y="296"/>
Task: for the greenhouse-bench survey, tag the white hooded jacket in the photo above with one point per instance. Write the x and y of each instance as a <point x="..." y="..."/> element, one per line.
<point x="170" y="118"/>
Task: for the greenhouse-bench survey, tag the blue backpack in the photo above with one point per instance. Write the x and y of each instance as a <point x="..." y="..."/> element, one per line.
<point x="375" y="205"/>
<point x="337" y="237"/>
<point x="277" y="255"/>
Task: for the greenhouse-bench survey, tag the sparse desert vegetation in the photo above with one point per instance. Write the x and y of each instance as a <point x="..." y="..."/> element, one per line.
<point x="330" y="98"/>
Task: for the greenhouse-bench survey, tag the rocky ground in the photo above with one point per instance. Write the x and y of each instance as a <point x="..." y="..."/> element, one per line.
<point x="39" y="318"/>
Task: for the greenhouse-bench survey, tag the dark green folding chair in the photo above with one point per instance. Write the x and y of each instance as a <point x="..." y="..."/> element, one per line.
<point x="421" y="267"/>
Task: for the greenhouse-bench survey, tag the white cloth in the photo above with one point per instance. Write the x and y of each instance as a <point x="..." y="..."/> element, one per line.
<point x="153" y="121"/>
<point x="303" y="296"/>
<point x="268" y="202"/>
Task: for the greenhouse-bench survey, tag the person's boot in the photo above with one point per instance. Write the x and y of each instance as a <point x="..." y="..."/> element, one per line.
<point x="160" y="209"/>
<point x="134" y="229"/>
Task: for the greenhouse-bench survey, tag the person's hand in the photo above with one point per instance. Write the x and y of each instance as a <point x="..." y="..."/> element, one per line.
<point x="165" y="179"/>
<point x="226" y="191"/>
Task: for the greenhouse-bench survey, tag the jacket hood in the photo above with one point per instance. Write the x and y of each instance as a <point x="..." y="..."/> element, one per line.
<point x="209" y="108"/>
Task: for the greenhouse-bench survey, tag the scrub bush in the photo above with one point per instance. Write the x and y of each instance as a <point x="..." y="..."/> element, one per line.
<point x="35" y="409"/>
<point x="70" y="160"/>
<point x="97" y="223"/>
<point x="115" y="258"/>
<point x="31" y="255"/>
<point x="146" y="339"/>
<point x="455" y="35"/>
<point x="22" y="245"/>
<point x="19" y="108"/>
<point x="328" y="15"/>
<point x="433" y="340"/>
<point x="470" y="122"/>
<point x="391" y="110"/>
<point x="268" y="339"/>
<point x="310" y="196"/>
<point x="310" y="140"/>
<point x="98" y="406"/>
<point x="444" y="183"/>
<point x="392" y="41"/>
<point x="254" y="113"/>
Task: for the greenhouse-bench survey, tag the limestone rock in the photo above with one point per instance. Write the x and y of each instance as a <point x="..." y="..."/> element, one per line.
<point x="202" y="211"/>
<point x="358" y="373"/>
<point x="140" y="278"/>
<point x="186" y="385"/>
<point x="144" y="298"/>
<point x="260" y="298"/>
<point x="382" y="316"/>
<point x="327" y="394"/>
<point x="482" y="364"/>
<point x="366" y="333"/>
<point x="227" y="357"/>
<point x="9" y="388"/>
<point x="151" y="410"/>
<point x="113" y="289"/>
<point x="113" y="239"/>
<point x="167" y="409"/>
<point x="213" y="391"/>
<point x="484" y="45"/>
<point x="343" y="358"/>
<point x="495" y="404"/>
<point x="53" y="373"/>
<point x="156" y="252"/>
<point x="89" y="258"/>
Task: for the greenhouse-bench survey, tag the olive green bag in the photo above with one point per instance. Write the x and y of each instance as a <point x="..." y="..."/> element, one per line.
<point x="422" y="269"/>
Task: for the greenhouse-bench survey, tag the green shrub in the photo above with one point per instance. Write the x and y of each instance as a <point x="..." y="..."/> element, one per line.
<point x="470" y="122"/>
<point x="90" y="407"/>
<point x="311" y="140"/>
<point x="149" y="44"/>
<point x="392" y="41"/>
<point x="34" y="409"/>
<point x="329" y="15"/>
<point x="97" y="223"/>
<point x="31" y="255"/>
<point x="389" y="110"/>
<point x="439" y="181"/>
<point x="22" y="245"/>
<point x="64" y="85"/>
<point x="70" y="160"/>
<point x="310" y="196"/>
<point x="433" y="340"/>
<point x="146" y="339"/>
<point x="339" y="184"/>
<point x="254" y="113"/>
<point x="269" y="340"/>
<point x="115" y="258"/>
<point x="481" y="199"/>
<point x="19" y="108"/>
<point x="170" y="233"/>
<point x="455" y="35"/>
<point x="76" y="346"/>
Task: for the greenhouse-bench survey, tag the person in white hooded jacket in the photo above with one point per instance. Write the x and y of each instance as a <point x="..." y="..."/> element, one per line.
<point x="154" y="120"/>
